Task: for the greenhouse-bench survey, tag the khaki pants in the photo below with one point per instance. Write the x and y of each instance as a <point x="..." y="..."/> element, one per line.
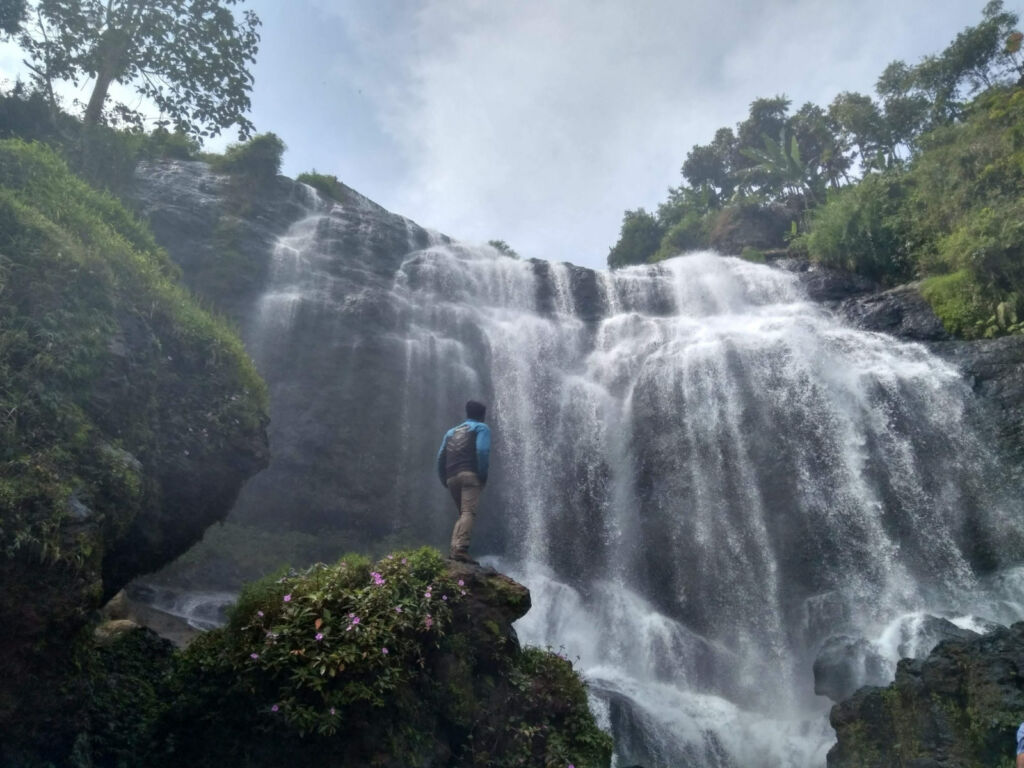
<point x="465" y="489"/>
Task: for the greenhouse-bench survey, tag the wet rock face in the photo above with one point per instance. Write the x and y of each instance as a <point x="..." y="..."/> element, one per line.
<point x="326" y="336"/>
<point x="900" y="312"/>
<point x="219" y="231"/>
<point x="995" y="369"/>
<point x="844" y="664"/>
<point x="959" y="707"/>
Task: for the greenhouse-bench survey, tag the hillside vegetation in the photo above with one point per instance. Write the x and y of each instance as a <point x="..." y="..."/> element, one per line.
<point x="925" y="181"/>
<point x="130" y="417"/>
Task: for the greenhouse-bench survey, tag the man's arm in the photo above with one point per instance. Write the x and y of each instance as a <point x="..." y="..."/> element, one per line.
<point x="483" y="452"/>
<point x="440" y="460"/>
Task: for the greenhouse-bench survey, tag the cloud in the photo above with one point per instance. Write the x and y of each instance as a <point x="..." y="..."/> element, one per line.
<point x="541" y="122"/>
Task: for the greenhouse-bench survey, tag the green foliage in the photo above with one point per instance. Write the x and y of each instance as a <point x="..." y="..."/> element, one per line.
<point x="326" y="184"/>
<point x="129" y="681"/>
<point x="12" y="12"/>
<point x="113" y="381"/>
<point x="258" y="159"/>
<point x="550" y="724"/>
<point x="73" y="262"/>
<point x="690" y="233"/>
<point x="320" y="645"/>
<point x="503" y="248"/>
<point x="104" y="157"/>
<point x="859" y="230"/>
<point x="921" y="124"/>
<point x="191" y="59"/>
<point x="300" y="676"/>
<point x="639" y="239"/>
<point x="955" y="301"/>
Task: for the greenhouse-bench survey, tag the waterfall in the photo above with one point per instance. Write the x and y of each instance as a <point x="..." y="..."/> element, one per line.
<point x="703" y="484"/>
<point x="701" y="475"/>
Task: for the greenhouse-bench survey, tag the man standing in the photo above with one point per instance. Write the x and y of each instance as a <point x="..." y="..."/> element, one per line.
<point x="462" y="468"/>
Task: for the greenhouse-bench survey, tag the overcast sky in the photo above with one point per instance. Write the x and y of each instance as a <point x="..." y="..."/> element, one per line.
<point x="540" y="121"/>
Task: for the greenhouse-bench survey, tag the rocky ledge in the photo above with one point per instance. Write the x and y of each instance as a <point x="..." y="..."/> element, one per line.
<point x="959" y="707"/>
<point x="409" y="661"/>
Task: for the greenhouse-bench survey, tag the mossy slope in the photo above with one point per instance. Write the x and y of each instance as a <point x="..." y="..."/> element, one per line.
<point x="129" y="419"/>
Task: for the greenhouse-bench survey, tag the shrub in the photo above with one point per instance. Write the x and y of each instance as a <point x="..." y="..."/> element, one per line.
<point x="258" y="159"/>
<point x="639" y="239"/>
<point x="176" y="146"/>
<point x="327" y="185"/>
<point x="319" y="646"/>
<point x="361" y="663"/>
<point x="990" y="244"/>
<point x="858" y="230"/>
<point x="956" y="301"/>
<point x="688" y="234"/>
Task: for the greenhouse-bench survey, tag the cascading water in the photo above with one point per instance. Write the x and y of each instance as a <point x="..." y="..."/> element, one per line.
<point x="701" y="475"/>
<point x="703" y="484"/>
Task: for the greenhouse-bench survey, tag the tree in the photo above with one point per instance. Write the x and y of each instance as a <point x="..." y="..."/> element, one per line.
<point x="190" y="57"/>
<point x="11" y="14"/>
<point x="713" y="165"/>
<point x="639" y="239"/>
<point x="859" y="123"/>
<point x="934" y="92"/>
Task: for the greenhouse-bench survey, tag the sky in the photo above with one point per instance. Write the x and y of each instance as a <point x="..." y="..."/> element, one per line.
<point x="539" y="122"/>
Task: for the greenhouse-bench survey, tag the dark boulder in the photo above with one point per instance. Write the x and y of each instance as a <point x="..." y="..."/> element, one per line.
<point x="959" y="707"/>
<point x="919" y="639"/>
<point x="823" y="284"/>
<point x="900" y="312"/>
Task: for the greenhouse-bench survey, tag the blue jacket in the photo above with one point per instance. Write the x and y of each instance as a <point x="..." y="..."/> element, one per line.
<point x="483" y="450"/>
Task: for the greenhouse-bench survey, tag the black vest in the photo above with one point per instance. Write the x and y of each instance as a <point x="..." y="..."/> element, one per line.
<point x="460" y="451"/>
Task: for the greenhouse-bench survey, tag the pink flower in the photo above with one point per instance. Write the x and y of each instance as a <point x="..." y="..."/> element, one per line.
<point x="398" y="609"/>
<point x="384" y="651"/>
<point x="444" y="597"/>
<point x="260" y="614"/>
<point x="462" y="591"/>
<point x="377" y="578"/>
<point x="288" y="598"/>
<point x="404" y="561"/>
<point x="319" y="636"/>
<point x="427" y="594"/>
<point x="355" y="620"/>
<point x="274" y="708"/>
<point x="462" y="583"/>
<point x="254" y="656"/>
<point x="332" y="710"/>
<point x="429" y="621"/>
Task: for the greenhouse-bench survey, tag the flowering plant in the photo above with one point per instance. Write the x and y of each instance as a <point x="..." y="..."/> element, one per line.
<point x="321" y="643"/>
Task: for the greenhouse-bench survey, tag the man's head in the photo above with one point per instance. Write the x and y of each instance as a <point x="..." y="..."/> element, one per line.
<point x="475" y="411"/>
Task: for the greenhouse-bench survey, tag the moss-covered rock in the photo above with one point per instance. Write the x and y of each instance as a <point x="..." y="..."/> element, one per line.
<point x="411" y="661"/>
<point x="961" y="706"/>
<point x="129" y="420"/>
